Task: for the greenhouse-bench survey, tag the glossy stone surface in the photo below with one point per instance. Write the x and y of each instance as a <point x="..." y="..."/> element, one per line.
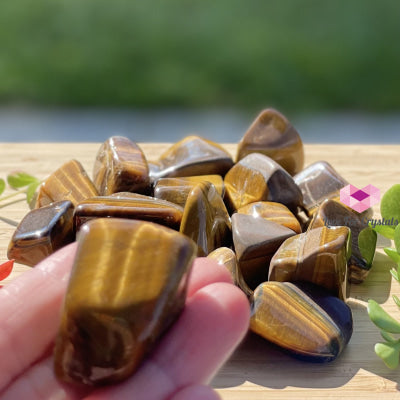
<point x="320" y="181"/>
<point x="127" y="286"/>
<point x="273" y="135"/>
<point x="205" y="219"/>
<point x="227" y="257"/>
<point x="131" y="206"/>
<point x="332" y="213"/>
<point x="192" y="156"/>
<point x="120" y="166"/>
<point x="318" y="256"/>
<point x="303" y="320"/>
<point x="255" y="241"/>
<point x="41" y="232"/>
<point x="259" y="178"/>
<point x="275" y="212"/>
<point x="69" y="182"/>
<point x="177" y="190"/>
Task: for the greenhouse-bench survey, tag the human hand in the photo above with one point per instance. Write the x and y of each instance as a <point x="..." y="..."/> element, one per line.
<point x="214" y="321"/>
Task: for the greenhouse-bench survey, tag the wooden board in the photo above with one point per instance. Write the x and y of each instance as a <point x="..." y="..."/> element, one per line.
<point x="257" y="370"/>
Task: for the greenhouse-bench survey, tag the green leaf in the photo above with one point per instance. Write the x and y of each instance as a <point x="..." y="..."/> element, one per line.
<point x="381" y="318"/>
<point x="392" y="253"/>
<point x="384" y="230"/>
<point x="395" y="274"/>
<point x="397" y="238"/>
<point x="2" y="185"/>
<point x="388" y="337"/>
<point x="396" y="300"/>
<point x="367" y="244"/>
<point x="390" y="204"/>
<point x="30" y="191"/>
<point x="389" y="352"/>
<point x="20" y="179"/>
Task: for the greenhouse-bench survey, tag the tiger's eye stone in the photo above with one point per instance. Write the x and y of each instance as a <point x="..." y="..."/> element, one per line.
<point x="318" y="256"/>
<point x="120" y="166"/>
<point x="127" y="286"/>
<point x="41" y="232"/>
<point x="258" y="178"/>
<point x="176" y="190"/>
<point x="227" y="257"/>
<point x="256" y="240"/>
<point x="193" y="156"/>
<point x="332" y="213"/>
<point x="273" y="135"/>
<point x="318" y="182"/>
<point x="131" y="206"/>
<point x="69" y="182"/>
<point x="205" y="219"/>
<point x="305" y="321"/>
<point x="275" y="212"/>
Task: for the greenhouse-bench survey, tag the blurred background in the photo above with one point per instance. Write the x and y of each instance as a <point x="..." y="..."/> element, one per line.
<point x="158" y="70"/>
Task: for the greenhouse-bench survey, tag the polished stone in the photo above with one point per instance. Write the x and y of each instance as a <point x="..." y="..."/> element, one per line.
<point x="120" y="166"/>
<point x="332" y="213"/>
<point x="271" y="211"/>
<point x="255" y="241"/>
<point x="303" y="320"/>
<point x="318" y="256"/>
<point x="227" y="257"/>
<point x="273" y="135"/>
<point x="127" y="286"/>
<point x="130" y="206"/>
<point x="41" y="232"/>
<point x="259" y="178"/>
<point x="69" y="182"/>
<point x="192" y="156"/>
<point x="177" y="190"/>
<point x="205" y="219"/>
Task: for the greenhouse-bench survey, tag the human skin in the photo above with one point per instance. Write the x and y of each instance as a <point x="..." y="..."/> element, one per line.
<point x="213" y="322"/>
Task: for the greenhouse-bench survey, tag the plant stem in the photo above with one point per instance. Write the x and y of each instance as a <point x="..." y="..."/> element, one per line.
<point x="9" y="196"/>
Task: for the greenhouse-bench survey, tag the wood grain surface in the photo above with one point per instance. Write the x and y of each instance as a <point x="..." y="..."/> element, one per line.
<point x="257" y="370"/>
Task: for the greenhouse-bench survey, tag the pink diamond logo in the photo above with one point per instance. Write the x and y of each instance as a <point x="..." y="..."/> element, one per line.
<point x="360" y="199"/>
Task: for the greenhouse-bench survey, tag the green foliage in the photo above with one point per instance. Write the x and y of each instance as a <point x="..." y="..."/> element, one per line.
<point x="381" y="318"/>
<point x="385" y="230"/>
<point x="20" y="179"/>
<point x="298" y="55"/>
<point x="2" y="185"/>
<point x="367" y="244"/>
<point x="390" y="203"/>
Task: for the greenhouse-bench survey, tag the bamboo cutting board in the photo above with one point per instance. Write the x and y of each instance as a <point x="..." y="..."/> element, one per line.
<point x="257" y="370"/>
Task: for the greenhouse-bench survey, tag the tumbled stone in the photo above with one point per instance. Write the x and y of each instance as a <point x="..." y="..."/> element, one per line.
<point x="227" y="257"/>
<point x="318" y="182"/>
<point x="318" y="256"/>
<point x="41" y="232"/>
<point x="255" y="241"/>
<point x="130" y="206"/>
<point x="275" y="212"/>
<point x="205" y="219"/>
<point x="259" y="178"/>
<point x="120" y="166"/>
<point x="303" y="320"/>
<point x="273" y="135"/>
<point x="192" y="156"/>
<point x="363" y="238"/>
<point x="69" y="182"/>
<point x="127" y="286"/>
<point x="176" y="190"/>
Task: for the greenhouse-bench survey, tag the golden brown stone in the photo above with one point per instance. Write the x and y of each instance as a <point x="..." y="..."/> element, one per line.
<point x="302" y="319"/>
<point x="259" y="178"/>
<point x="192" y="156"/>
<point x="256" y="240"/>
<point x="318" y="256"/>
<point x="41" y="232"/>
<point x="273" y="135"/>
<point x="120" y="166"/>
<point x="227" y="257"/>
<point x="127" y="286"/>
<point x="176" y="190"/>
<point x="69" y="182"/>
<point x="205" y="219"/>
<point x="275" y="212"/>
<point x="131" y="206"/>
<point x="363" y="238"/>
